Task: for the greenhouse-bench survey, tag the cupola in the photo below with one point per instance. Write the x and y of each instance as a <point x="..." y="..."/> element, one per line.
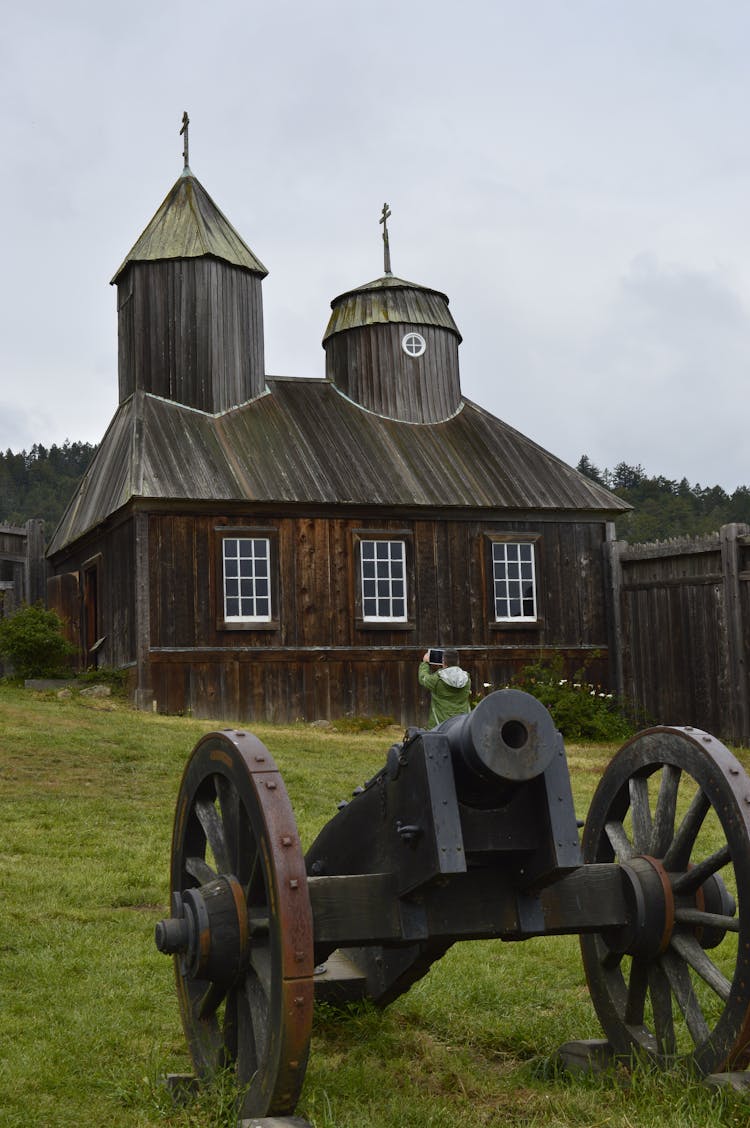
<point x="189" y="303"/>
<point x="392" y="347"/>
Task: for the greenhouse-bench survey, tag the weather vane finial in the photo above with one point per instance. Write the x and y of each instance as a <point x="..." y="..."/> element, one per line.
<point x="386" y="246"/>
<point x="186" y="147"/>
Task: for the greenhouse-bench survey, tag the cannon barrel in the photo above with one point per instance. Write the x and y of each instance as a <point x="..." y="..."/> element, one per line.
<point x="509" y="738"/>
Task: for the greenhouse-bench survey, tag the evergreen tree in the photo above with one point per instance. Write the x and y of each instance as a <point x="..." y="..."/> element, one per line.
<point x="40" y="482"/>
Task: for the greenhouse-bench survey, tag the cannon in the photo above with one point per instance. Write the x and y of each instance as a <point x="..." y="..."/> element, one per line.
<point x="467" y="832"/>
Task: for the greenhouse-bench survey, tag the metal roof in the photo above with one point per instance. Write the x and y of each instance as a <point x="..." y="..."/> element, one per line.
<point x="188" y="224"/>
<point x="389" y="299"/>
<point x="305" y="442"/>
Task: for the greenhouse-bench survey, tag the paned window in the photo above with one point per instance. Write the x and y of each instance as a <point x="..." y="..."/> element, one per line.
<point x="247" y="583"/>
<point x="413" y="344"/>
<point x="383" y="564"/>
<point x="514" y="581"/>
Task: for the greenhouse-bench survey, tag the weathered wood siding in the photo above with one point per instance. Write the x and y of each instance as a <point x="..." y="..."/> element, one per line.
<point x="111" y="556"/>
<point x="684" y="612"/>
<point x="23" y="568"/>
<point x="370" y="366"/>
<point x="191" y="330"/>
<point x="319" y="661"/>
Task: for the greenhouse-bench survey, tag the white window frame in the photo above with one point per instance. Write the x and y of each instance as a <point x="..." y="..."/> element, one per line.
<point x="383" y="558"/>
<point x="409" y="340"/>
<point x="254" y="564"/>
<point x="514" y="586"/>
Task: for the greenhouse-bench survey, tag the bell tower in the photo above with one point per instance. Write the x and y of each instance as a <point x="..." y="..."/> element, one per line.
<point x="392" y="347"/>
<point x="189" y="305"/>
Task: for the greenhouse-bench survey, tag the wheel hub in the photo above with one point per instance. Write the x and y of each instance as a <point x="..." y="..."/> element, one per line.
<point x="209" y="930"/>
<point x="653" y="910"/>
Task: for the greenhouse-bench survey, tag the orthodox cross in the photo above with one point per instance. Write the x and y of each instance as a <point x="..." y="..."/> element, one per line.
<point x="185" y="124"/>
<point x="386" y="246"/>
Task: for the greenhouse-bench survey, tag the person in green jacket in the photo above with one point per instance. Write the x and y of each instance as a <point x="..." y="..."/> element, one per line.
<point x="449" y="686"/>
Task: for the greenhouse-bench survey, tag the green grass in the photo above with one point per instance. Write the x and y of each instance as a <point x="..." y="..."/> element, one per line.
<point x="88" y="1012"/>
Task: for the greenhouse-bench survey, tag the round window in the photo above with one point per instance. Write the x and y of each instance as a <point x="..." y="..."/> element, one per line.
<point x="413" y="344"/>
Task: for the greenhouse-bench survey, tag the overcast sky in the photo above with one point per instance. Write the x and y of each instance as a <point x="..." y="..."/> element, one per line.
<point x="575" y="175"/>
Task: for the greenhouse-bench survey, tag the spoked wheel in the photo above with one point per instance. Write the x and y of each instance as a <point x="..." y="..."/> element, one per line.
<point x="241" y="928"/>
<point x="673" y="809"/>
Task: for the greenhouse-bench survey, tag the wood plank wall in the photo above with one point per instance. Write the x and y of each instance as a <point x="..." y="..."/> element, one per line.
<point x="685" y="631"/>
<point x="23" y="568"/>
<point x="191" y="330"/>
<point x="369" y="365"/>
<point x="318" y="661"/>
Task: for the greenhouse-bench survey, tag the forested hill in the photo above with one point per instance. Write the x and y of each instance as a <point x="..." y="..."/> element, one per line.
<point x="40" y="482"/>
<point x="665" y="508"/>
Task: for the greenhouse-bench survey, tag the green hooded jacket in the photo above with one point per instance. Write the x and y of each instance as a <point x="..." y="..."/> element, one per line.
<point x="450" y="689"/>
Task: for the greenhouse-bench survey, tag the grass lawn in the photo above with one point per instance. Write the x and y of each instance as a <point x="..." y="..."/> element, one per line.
<point x="88" y="1011"/>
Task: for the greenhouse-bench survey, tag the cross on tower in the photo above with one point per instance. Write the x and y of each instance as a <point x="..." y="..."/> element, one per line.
<point x="386" y="246"/>
<point x="185" y="124"/>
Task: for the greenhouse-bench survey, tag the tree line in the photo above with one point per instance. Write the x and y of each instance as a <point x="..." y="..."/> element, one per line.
<point x="664" y="508"/>
<point x="40" y="482"/>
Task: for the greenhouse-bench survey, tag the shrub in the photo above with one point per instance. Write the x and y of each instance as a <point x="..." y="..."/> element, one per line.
<point x="113" y="676"/>
<point x="33" y="642"/>
<point x="580" y="710"/>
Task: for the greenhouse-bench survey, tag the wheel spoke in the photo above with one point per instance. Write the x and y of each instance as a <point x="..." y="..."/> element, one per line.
<point x="209" y="1003"/>
<point x="713" y="920"/>
<point x="257" y="1013"/>
<point x="678" y="854"/>
<point x="637" y="986"/>
<point x="230" y="1027"/>
<point x="693" y="879"/>
<point x="213" y="829"/>
<point x="619" y="841"/>
<point x="260" y="961"/>
<point x="254" y="886"/>
<point x="691" y="951"/>
<point x="678" y="975"/>
<point x="661" y="1003"/>
<point x="641" y="813"/>
<point x="199" y="869"/>
<point x="229" y="802"/>
<point x="611" y="960"/>
<point x="662" y="831"/>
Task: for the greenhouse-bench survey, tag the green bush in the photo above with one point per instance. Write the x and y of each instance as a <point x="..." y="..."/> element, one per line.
<point x="113" y="676"/>
<point x="580" y="710"/>
<point x="33" y="642"/>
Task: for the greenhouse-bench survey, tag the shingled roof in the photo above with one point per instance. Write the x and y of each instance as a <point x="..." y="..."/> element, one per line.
<point x="388" y="300"/>
<point x="305" y="442"/>
<point x="188" y="224"/>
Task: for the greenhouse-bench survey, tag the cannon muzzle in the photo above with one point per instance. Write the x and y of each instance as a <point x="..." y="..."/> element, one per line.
<point x="508" y="739"/>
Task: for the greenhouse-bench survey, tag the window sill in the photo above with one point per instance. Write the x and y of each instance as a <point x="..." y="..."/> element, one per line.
<point x="230" y="625"/>
<point x="385" y="625"/>
<point x="519" y="625"/>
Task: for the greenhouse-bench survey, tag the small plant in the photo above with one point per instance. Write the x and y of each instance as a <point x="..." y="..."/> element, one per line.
<point x="362" y="724"/>
<point x="580" y="710"/>
<point x="113" y="676"/>
<point x="33" y="642"/>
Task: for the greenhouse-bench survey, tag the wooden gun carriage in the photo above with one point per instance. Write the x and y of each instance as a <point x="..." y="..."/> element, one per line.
<point x="468" y="832"/>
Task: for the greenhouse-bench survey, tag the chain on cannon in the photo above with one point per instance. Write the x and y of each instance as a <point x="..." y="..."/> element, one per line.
<point x="467" y="832"/>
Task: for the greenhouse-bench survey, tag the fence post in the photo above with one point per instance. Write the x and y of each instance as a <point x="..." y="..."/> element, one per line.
<point x="613" y="571"/>
<point x="35" y="569"/>
<point x="737" y="673"/>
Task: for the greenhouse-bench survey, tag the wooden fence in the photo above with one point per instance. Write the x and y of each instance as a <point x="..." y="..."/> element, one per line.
<point x="23" y="568"/>
<point x="681" y="630"/>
